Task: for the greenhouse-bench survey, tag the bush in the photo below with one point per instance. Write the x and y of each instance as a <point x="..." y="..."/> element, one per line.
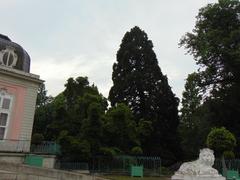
<point x="220" y="140"/>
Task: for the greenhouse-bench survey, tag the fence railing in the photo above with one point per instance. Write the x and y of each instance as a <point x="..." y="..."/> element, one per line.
<point x="72" y="165"/>
<point x="11" y="145"/>
<point x="46" y="147"/>
<point x="233" y="164"/>
<point x="115" y="165"/>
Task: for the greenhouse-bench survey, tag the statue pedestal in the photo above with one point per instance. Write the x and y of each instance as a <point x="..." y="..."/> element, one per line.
<point x="191" y="177"/>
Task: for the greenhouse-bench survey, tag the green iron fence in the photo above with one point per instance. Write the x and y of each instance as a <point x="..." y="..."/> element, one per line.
<point x="46" y="147"/>
<point x="72" y="165"/>
<point x="233" y="164"/>
<point x="115" y="165"/>
<point x="122" y="164"/>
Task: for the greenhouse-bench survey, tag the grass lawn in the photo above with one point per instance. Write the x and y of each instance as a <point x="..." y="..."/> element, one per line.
<point x="135" y="178"/>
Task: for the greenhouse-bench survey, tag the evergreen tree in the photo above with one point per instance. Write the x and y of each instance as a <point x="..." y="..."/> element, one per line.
<point x="139" y="83"/>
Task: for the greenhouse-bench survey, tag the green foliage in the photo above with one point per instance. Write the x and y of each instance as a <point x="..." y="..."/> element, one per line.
<point x="43" y="112"/>
<point x="136" y="150"/>
<point x="144" y="129"/>
<point x="193" y="123"/>
<point x="229" y="155"/>
<point x="139" y="83"/>
<point x="37" y="138"/>
<point x="214" y="43"/>
<point x="74" y="118"/>
<point x="191" y="99"/>
<point x="120" y="125"/>
<point x="194" y="138"/>
<point x="220" y="140"/>
<point x="79" y="121"/>
<point x="110" y="151"/>
<point x="42" y="98"/>
<point x="91" y="129"/>
<point x="72" y="148"/>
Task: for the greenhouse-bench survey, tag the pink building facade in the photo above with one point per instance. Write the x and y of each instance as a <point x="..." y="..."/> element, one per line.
<point x="18" y="93"/>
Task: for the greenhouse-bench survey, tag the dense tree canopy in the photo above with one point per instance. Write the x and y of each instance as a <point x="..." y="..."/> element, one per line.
<point x="79" y="121"/>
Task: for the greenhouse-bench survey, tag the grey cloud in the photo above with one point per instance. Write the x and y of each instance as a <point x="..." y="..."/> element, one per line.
<point x="82" y="37"/>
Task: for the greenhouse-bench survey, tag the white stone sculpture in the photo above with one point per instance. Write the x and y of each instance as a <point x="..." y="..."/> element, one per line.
<point x="199" y="169"/>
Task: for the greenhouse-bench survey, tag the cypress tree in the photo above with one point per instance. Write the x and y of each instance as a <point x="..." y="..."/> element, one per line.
<point x="139" y="83"/>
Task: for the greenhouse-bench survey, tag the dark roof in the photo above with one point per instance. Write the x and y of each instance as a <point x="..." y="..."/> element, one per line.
<point x="23" y="59"/>
<point x="5" y="37"/>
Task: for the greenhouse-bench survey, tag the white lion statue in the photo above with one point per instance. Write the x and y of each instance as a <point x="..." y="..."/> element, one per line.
<point x="201" y="167"/>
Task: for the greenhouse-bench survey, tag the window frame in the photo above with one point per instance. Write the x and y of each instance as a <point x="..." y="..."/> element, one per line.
<point x="5" y="95"/>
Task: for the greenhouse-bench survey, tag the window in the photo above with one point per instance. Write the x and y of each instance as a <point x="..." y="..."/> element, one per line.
<point x="6" y="103"/>
<point x="5" y="108"/>
<point x="3" y="119"/>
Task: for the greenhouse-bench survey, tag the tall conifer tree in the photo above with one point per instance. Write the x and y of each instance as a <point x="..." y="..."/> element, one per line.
<point x="139" y="83"/>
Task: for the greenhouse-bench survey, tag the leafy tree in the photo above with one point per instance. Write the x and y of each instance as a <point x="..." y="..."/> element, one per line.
<point x="120" y="131"/>
<point x="215" y="43"/>
<point x="190" y="121"/>
<point x="139" y="83"/>
<point x="191" y="99"/>
<point x="77" y="119"/>
<point x="91" y="129"/>
<point x="194" y="137"/>
<point x="42" y="98"/>
<point x="220" y="140"/>
<point x="73" y="148"/>
<point x="43" y="113"/>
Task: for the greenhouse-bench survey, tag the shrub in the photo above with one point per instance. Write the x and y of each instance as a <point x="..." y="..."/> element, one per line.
<point x="220" y="140"/>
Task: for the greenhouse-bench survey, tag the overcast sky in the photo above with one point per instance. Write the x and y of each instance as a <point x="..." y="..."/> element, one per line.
<point x="71" y="38"/>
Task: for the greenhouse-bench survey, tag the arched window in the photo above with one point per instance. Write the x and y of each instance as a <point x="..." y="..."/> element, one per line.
<point x="5" y="109"/>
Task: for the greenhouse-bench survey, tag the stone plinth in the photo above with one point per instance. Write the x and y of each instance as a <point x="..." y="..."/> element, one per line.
<point x="191" y="177"/>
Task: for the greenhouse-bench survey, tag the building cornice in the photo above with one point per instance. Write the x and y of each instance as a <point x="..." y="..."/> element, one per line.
<point x="20" y="74"/>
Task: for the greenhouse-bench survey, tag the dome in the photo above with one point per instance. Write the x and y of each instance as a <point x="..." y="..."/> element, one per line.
<point x="13" y="55"/>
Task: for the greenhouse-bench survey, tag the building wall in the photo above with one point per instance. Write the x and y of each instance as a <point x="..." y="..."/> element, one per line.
<point x="24" y="91"/>
<point x="19" y="93"/>
<point x="29" y="110"/>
